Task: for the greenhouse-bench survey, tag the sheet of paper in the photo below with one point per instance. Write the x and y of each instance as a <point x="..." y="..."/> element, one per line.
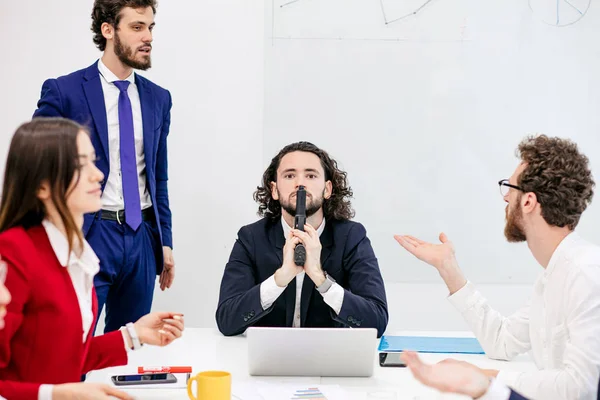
<point x="274" y="391"/>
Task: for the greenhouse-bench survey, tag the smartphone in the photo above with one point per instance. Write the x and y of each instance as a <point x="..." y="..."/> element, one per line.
<point x="391" y="360"/>
<point x="143" y="379"/>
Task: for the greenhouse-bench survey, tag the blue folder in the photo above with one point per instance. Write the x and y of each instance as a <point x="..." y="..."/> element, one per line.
<point x="427" y="344"/>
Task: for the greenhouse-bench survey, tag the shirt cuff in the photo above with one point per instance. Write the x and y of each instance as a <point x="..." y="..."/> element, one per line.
<point x="465" y="297"/>
<point x="269" y="292"/>
<point x="127" y="348"/>
<point x="496" y="391"/>
<point x="509" y="378"/>
<point x="334" y="297"/>
<point x="45" y="392"/>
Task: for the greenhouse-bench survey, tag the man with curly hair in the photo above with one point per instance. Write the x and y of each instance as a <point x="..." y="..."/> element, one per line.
<point x="128" y="117"/>
<point x="339" y="285"/>
<point x="546" y="195"/>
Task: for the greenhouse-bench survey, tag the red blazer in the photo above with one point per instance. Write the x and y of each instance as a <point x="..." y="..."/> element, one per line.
<point x="42" y="339"/>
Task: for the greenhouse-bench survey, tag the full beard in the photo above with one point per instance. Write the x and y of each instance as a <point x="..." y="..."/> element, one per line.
<point x="127" y="57"/>
<point x="312" y="205"/>
<point x="513" y="230"/>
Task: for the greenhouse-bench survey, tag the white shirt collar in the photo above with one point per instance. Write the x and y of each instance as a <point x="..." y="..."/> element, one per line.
<point x="88" y="261"/>
<point x="287" y="228"/>
<point x="561" y="252"/>
<point x="110" y="77"/>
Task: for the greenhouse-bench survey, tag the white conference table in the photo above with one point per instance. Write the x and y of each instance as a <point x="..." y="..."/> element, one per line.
<point x="207" y="349"/>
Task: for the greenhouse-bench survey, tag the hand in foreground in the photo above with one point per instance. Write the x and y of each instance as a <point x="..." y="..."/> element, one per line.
<point x="449" y="375"/>
<point x="87" y="391"/>
<point x="159" y="328"/>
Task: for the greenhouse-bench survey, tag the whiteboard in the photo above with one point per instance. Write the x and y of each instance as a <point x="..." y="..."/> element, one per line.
<point x="423" y="103"/>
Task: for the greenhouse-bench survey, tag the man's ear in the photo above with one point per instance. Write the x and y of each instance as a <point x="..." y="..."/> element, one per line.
<point x="528" y="202"/>
<point x="43" y="192"/>
<point x="328" y="190"/>
<point x="274" y="193"/>
<point x="107" y="30"/>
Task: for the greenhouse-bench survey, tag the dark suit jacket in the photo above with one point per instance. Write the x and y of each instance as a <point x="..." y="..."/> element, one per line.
<point x="346" y="255"/>
<point x="515" y="396"/>
<point x="79" y="96"/>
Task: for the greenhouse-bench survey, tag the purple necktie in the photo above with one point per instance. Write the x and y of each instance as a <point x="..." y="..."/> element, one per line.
<point x="129" y="175"/>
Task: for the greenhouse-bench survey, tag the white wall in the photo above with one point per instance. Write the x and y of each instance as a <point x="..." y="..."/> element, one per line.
<point x="425" y="114"/>
<point x="210" y="55"/>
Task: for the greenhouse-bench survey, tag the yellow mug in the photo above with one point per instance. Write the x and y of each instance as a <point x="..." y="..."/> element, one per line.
<point x="212" y="385"/>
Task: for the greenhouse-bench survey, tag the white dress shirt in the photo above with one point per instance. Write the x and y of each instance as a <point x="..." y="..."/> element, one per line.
<point x="112" y="197"/>
<point x="81" y="271"/>
<point x="269" y="291"/>
<point x="496" y="391"/>
<point x="560" y="325"/>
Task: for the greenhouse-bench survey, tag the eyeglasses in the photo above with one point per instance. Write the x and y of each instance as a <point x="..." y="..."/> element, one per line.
<point x="505" y="187"/>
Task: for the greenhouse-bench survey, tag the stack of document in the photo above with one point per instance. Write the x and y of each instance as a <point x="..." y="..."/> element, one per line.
<point x="278" y="391"/>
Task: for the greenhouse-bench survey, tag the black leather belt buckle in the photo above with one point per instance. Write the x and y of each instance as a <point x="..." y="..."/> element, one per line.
<point x="119" y="216"/>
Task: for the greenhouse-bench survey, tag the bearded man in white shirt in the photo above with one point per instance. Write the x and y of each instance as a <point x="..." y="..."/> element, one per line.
<point x="560" y="325"/>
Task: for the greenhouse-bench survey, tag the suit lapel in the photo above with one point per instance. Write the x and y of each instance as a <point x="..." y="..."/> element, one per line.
<point x="326" y="243"/>
<point x="308" y="286"/>
<point x="95" y="99"/>
<point x="147" y="104"/>
<point x="277" y="239"/>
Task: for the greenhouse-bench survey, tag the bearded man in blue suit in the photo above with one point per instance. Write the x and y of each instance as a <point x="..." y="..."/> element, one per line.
<point x="128" y="118"/>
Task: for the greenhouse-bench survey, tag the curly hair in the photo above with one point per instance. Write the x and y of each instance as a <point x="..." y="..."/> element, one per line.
<point x="110" y="11"/>
<point x="337" y="206"/>
<point x="559" y="176"/>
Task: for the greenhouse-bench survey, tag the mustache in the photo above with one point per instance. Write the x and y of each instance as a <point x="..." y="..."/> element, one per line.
<point x="294" y="194"/>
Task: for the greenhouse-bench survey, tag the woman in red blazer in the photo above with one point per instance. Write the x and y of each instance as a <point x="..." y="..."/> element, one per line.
<point x="50" y="182"/>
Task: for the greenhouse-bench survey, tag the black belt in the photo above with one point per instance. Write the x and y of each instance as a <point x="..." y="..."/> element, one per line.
<point x="119" y="216"/>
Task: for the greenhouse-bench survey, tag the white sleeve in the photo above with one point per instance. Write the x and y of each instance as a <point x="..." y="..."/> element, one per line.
<point x="496" y="391"/>
<point x="45" y="392"/>
<point x="269" y="292"/>
<point x="334" y="297"/>
<point x="501" y="337"/>
<point x="578" y="340"/>
<point x="122" y="329"/>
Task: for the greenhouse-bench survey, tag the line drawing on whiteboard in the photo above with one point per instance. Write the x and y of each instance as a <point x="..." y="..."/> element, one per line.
<point x="559" y="13"/>
<point x="405" y="15"/>
<point x="406" y="8"/>
<point x="425" y="21"/>
<point x="288" y="3"/>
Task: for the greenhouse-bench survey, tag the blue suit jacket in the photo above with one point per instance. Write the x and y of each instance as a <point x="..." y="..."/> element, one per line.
<point x="346" y="255"/>
<point x="79" y="96"/>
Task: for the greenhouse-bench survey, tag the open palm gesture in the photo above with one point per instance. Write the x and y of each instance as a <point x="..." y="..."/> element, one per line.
<point x="436" y="255"/>
<point x="449" y="375"/>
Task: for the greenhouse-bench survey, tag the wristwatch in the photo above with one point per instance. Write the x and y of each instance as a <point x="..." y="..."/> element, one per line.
<point x="324" y="287"/>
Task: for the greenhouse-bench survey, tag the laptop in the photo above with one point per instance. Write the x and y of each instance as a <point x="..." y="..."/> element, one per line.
<point x="311" y="351"/>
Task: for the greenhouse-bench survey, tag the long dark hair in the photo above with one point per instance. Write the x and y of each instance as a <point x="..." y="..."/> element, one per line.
<point x="338" y="206"/>
<point x="41" y="151"/>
